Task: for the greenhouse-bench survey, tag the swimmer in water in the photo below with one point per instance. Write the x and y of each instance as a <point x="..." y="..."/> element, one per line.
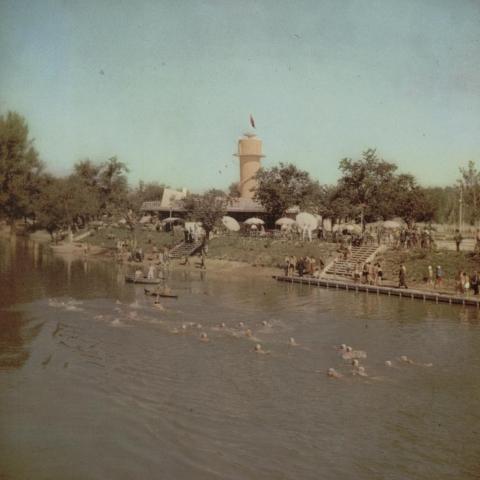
<point x="405" y="359"/>
<point x="332" y="373"/>
<point x="258" y="349"/>
<point x="360" y="371"/>
<point x="222" y="325"/>
<point x="342" y="347"/>
<point x="198" y="325"/>
<point x="248" y="332"/>
<point x="204" y="337"/>
<point x="158" y="305"/>
<point x="388" y="363"/>
<point x="241" y="324"/>
<point x="292" y="342"/>
<point x="265" y="323"/>
<point x="184" y="327"/>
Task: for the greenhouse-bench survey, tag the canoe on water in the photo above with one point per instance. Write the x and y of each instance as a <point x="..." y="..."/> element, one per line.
<point x="142" y="280"/>
<point x="159" y="293"/>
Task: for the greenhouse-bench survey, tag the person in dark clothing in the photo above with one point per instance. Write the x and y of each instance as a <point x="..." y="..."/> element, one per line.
<point x="458" y="239"/>
<point x="301" y="266"/>
<point x="474" y="282"/>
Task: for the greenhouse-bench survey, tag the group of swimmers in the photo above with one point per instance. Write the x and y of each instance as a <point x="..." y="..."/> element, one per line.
<point x="354" y="356"/>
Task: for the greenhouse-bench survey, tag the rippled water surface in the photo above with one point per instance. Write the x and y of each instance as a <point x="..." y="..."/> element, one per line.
<point x="96" y="383"/>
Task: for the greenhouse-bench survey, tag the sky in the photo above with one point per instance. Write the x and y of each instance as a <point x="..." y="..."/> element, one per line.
<point x="168" y="86"/>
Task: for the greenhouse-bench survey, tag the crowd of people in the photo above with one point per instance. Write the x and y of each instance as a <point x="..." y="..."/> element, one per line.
<point x="303" y="266"/>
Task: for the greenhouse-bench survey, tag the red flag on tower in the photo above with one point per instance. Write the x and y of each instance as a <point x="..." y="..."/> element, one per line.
<point x="252" y="121"/>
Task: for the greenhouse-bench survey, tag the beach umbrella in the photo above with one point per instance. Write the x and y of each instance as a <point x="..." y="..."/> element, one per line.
<point x="145" y="219"/>
<point x="285" y="221"/>
<point x="306" y="220"/>
<point x="391" y="224"/>
<point x="230" y="223"/>
<point x="254" y="221"/>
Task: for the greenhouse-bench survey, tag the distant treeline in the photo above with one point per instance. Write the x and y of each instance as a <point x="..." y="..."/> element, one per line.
<point x="369" y="189"/>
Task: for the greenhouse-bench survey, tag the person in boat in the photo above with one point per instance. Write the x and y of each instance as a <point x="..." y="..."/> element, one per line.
<point x="258" y="349"/>
<point x="292" y="342"/>
<point x="204" y="337"/>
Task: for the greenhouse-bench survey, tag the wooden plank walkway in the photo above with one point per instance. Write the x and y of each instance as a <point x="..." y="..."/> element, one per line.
<point x="381" y="290"/>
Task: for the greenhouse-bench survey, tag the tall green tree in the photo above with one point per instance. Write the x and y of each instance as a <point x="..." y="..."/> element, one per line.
<point x="113" y="184"/>
<point x="282" y="187"/>
<point x="208" y="209"/>
<point x="63" y="203"/>
<point x="368" y="185"/>
<point x="20" y="168"/>
<point x="470" y="183"/>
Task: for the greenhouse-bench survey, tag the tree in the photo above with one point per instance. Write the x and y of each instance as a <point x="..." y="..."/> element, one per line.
<point x="208" y="209"/>
<point x="233" y="191"/>
<point x="20" y="168"/>
<point x="367" y="185"/>
<point x="113" y="186"/>
<point x="146" y="192"/>
<point x="411" y="202"/>
<point x="470" y="183"/>
<point x="280" y="188"/>
<point x="62" y="202"/>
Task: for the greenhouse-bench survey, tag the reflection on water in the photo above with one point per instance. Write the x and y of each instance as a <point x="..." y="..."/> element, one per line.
<point x="95" y="382"/>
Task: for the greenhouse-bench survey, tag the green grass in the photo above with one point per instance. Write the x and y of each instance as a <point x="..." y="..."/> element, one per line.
<point x="417" y="262"/>
<point x="108" y="237"/>
<point x="266" y="252"/>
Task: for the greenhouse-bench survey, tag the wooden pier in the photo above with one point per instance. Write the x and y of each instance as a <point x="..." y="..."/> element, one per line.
<point x="382" y="290"/>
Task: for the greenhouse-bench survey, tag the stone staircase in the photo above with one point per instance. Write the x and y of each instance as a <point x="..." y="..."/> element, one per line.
<point x="184" y="249"/>
<point x="360" y="255"/>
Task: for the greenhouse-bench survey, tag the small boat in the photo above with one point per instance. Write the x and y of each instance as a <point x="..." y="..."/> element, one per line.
<point x="142" y="280"/>
<point x="156" y="293"/>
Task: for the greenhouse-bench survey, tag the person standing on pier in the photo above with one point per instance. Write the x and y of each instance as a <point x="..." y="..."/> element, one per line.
<point x="402" y="276"/>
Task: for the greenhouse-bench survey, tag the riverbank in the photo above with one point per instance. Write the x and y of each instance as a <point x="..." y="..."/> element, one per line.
<point x="234" y="254"/>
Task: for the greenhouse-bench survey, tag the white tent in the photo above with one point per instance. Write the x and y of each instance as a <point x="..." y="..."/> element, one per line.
<point x="230" y="223"/>
<point x="254" y="221"/>
<point x="306" y="220"/>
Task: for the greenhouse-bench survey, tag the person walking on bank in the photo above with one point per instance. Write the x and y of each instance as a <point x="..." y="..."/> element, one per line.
<point x="458" y="239"/>
<point x="402" y="276"/>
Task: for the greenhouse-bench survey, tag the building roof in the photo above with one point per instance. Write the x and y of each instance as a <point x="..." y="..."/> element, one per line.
<point x="171" y="200"/>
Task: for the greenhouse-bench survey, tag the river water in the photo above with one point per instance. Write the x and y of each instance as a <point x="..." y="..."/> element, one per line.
<point x="95" y="383"/>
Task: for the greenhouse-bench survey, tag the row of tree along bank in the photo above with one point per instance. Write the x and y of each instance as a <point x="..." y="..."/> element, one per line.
<point x="369" y="189"/>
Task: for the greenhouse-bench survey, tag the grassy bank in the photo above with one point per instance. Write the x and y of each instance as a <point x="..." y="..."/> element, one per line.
<point x="254" y="251"/>
<point x="417" y="262"/>
<point x="266" y="252"/>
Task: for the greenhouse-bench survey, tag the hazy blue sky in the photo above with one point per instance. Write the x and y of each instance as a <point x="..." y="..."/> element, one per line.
<point x="168" y="86"/>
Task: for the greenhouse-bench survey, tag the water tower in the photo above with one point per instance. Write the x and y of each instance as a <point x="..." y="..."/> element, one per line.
<point x="249" y="153"/>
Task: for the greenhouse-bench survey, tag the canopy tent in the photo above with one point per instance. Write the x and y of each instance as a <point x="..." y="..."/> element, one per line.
<point x="391" y="224"/>
<point x="306" y="220"/>
<point x="230" y="223"/>
<point x="254" y="221"/>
